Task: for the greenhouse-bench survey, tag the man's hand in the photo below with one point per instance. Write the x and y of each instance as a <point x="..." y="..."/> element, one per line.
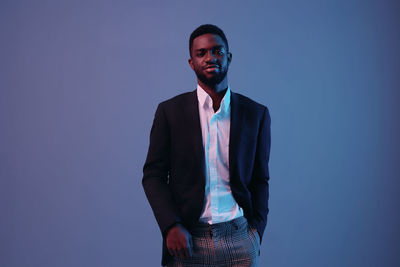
<point x="179" y="242"/>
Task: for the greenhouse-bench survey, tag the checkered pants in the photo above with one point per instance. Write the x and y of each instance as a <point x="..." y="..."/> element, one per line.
<point x="231" y="243"/>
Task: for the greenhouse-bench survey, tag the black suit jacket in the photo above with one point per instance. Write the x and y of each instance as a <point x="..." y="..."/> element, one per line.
<point x="174" y="178"/>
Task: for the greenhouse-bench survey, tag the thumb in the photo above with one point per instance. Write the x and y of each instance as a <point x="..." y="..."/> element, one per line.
<point x="190" y="244"/>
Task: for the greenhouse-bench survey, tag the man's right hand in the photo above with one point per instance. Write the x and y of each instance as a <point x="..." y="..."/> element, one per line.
<point x="179" y="242"/>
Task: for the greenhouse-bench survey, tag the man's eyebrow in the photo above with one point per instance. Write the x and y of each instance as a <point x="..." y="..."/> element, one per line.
<point x="202" y="49"/>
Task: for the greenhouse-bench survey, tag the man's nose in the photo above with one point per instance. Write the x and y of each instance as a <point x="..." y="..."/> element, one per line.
<point x="210" y="56"/>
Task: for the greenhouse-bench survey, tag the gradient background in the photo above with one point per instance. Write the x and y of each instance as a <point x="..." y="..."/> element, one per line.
<point x="80" y="81"/>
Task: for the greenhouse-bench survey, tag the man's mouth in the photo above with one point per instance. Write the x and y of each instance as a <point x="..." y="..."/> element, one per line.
<point x="212" y="67"/>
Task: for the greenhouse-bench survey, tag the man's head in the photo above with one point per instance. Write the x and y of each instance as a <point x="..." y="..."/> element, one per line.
<point x="207" y="28"/>
<point x="209" y="54"/>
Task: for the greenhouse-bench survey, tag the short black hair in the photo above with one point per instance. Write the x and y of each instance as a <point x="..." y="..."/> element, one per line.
<point x="207" y="28"/>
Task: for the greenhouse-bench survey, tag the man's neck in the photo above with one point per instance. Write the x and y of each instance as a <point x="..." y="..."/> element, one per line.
<point x="216" y="92"/>
<point x="215" y="89"/>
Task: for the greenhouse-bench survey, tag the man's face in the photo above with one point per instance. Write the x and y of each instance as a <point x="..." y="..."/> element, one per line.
<point x="209" y="58"/>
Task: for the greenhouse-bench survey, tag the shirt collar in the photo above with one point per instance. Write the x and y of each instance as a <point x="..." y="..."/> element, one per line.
<point x="206" y="101"/>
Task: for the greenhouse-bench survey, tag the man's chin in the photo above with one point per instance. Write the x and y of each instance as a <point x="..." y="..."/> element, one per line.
<point x="212" y="80"/>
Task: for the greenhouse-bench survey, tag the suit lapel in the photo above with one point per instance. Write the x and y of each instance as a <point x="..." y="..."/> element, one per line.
<point x="237" y="113"/>
<point x="192" y="120"/>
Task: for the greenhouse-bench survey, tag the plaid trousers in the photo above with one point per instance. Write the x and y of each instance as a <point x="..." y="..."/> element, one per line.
<point x="233" y="243"/>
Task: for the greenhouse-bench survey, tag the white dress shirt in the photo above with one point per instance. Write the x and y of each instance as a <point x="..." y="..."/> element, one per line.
<point x="219" y="204"/>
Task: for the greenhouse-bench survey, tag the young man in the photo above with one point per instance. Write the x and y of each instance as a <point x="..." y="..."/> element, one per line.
<point x="206" y="173"/>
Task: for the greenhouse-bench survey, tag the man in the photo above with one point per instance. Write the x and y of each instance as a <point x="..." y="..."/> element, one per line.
<point x="206" y="173"/>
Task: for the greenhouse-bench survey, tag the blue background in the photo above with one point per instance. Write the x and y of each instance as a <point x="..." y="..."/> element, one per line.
<point x="80" y="81"/>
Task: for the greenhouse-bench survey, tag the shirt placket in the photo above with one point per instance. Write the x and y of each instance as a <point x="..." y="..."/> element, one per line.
<point x="213" y="165"/>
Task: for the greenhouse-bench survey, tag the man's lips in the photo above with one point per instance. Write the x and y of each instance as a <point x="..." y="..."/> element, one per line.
<point x="212" y="67"/>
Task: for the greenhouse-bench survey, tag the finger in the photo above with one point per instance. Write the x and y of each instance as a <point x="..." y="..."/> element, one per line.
<point x="172" y="252"/>
<point x="187" y="252"/>
<point x="190" y="247"/>
<point x="181" y="253"/>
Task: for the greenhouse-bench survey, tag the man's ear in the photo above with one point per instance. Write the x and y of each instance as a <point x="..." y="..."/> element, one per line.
<point x="191" y="63"/>
<point x="229" y="57"/>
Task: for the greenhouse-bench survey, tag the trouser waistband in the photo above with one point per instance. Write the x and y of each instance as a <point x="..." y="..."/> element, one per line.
<point x="221" y="228"/>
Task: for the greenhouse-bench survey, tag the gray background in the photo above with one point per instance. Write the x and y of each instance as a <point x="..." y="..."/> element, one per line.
<point x="80" y="81"/>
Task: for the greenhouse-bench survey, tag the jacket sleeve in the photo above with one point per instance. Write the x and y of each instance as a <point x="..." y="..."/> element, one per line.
<point x="259" y="186"/>
<point x="156" y="171"/>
